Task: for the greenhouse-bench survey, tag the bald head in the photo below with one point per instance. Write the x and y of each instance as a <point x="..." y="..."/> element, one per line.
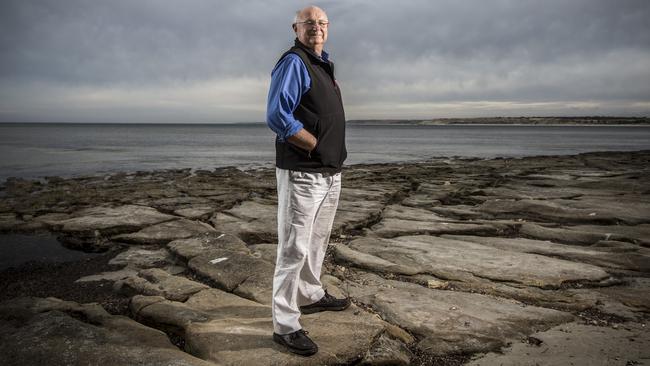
<point x="305" y="12"/>
<point x="310" y="25"/>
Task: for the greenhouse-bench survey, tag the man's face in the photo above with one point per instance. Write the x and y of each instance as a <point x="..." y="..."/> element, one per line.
<point x="311" y="28"/>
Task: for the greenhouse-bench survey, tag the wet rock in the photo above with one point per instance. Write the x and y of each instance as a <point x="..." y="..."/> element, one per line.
<point x="460" y="260"/>
<point x="9" y="221"/>
<point x="576" y="344"/>
<point x="450" y="322"/>
<point x="40" y="222"/>
<point x="38" y="331"/>
<point x="167" y="231"/>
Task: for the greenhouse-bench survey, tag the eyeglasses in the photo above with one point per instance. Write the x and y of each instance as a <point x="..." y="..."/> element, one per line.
<point x="311" y="23"/>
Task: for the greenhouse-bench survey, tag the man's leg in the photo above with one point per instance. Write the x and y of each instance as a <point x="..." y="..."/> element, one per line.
<point x="300" y="196"/>
<point x="310" y="288"/>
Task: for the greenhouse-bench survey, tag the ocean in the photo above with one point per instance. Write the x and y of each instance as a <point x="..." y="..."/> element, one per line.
<point x="59" y="149"/>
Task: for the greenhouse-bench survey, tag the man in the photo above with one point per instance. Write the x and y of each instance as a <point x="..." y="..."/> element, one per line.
<point x="305" y="110"/>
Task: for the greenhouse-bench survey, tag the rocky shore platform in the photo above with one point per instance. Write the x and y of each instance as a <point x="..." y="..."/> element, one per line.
<point x="529" y="261"/>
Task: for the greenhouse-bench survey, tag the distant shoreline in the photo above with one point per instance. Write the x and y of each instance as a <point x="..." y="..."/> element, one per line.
<point x="510" y="121"/>
<point x="482" y="121"/>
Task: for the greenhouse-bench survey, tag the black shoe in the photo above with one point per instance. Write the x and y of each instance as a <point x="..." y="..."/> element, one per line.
<point x="297" y="342"/>
<point x="326" y="303"/>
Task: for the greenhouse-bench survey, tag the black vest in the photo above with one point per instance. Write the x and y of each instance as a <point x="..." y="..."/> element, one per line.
<point x="321" y="113"/>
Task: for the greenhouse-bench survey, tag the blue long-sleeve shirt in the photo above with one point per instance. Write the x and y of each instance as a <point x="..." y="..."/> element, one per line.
<point x="289" y="81"/>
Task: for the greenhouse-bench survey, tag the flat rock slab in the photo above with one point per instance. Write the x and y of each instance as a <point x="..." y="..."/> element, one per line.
<point x="635" y="293"/>
<point x="461" y="260"/>
<point x="142" y="257"/>
<point x="584" y="210"/>
<point x="358" y="207"/>
<point x="252" y="221"/>
<point x="242" y="274"/>
<point x="50" y="331"/>
<point x="391" y="227"/>
<point x="450" y="322"/>
<point x="639" y="234"/>
<point x="192" y="247"/>
<point x="167" y="231"/>
<point x="587" y="234"/>
<point x="110" y="275"/>
<point x="195" y="212"/>
<point x="561" y="234"/>
<point x="413" y="214"/>
<point x="157" y="282"/>
<point x="355" y="214"/>
<point x="525" y="190"/>
<point x="344" y="253"/>
<point x="226" y="329"/>
<point x="265" y="251"/>
<point x="627" y="260"/>
<point x="109" y="220"/>
<point x="579" y="345"/>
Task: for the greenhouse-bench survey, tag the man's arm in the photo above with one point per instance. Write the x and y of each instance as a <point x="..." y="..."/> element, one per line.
<point x="304" y="140"/>
<point x="289" y="81"/>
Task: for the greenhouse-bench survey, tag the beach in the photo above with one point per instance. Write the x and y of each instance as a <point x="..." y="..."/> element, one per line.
<point x="536" y="260"/>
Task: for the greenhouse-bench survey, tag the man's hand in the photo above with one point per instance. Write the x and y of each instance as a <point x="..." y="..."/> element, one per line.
<point x="304" y="140"/>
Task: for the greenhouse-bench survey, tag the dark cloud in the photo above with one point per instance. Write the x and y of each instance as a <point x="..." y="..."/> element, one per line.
<point x="210" y="60"/>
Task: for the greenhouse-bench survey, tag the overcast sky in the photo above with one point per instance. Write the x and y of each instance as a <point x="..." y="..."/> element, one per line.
<point x="197" y="61"/>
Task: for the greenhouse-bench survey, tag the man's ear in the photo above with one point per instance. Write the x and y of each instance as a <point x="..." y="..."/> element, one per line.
<point x="293" y="26"/>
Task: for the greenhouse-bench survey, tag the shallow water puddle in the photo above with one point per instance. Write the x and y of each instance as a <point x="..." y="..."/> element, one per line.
<point x="16" y="249"/>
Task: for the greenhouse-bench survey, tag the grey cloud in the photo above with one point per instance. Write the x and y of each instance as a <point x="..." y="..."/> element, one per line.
<point x="520" y="51"/>
<point x="137" y="41"/>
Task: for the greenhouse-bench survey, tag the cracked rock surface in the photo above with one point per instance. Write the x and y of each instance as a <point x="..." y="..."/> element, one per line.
<point x="539" y="260"/>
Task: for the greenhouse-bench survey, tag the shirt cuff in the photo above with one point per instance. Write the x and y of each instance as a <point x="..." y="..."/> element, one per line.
<point x="293" y="129"/>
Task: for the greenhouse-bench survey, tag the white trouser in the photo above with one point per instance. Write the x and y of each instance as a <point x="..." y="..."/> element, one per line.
<point x="306" y="207"/>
